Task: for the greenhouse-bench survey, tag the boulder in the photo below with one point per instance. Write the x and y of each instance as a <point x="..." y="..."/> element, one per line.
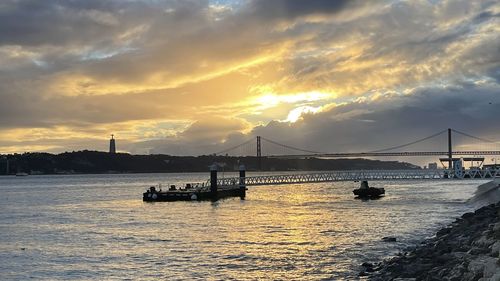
<point x="467" y="216"/>
<point x="495" y="277"/>
<point x="495" y="248"/>
<point x="468" y="249"/>
<point x="389" y="239"/>
<point x="483" y="266"/>
<point x="443" y="231"/>
<point x="496" y="230"/>
<point x="490" y="267"/>
<point x="484" y="241"/>
<point x="367" y="264"/>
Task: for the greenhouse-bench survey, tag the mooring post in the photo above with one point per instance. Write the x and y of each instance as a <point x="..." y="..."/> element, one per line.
<point x="213" y="180"/>
<point x="364" y="185"/>
<point x="243" y="186"/>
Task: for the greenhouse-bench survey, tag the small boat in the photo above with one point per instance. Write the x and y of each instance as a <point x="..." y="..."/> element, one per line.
<point x="21" y="174"/>
<point x="364" y="191"/>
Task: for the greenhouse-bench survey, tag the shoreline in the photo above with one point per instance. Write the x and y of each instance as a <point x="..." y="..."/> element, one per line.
<point x="467" y="249"/>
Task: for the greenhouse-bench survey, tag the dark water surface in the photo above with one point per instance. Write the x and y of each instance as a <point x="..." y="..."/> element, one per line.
<point x="83" y="227"/>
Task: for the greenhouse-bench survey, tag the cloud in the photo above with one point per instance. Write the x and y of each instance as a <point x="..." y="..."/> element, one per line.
<point x="92" y="66"/>
<point x="359" y="126"/>
<point x="290" y="9"/>
<point x="201" y="137"/>
<point x="395" y="120"/>
<point x="53" y="22"/>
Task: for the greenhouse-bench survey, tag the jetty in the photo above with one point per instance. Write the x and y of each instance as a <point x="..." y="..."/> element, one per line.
<point x="215" y="188"/>
<point x="197" y="192"/>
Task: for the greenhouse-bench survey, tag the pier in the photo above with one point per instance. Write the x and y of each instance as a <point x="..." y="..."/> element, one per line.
<point x="211" y="190"/>
<point x="364" y="175"/>
<point x="216" y="188"/>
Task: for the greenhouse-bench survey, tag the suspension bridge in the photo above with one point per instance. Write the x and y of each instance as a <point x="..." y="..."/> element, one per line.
<point x="470" y="148"/>
<point x="216" y="188"/>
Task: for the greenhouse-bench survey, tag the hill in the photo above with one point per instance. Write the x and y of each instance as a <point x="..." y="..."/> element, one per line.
<point x="103" y="162"/>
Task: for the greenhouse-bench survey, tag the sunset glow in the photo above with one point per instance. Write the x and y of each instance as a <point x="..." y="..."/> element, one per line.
<point x="72" y="73"/>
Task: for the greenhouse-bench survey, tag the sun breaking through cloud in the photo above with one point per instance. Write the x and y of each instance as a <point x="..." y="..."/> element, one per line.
<point x="206" y="74"/>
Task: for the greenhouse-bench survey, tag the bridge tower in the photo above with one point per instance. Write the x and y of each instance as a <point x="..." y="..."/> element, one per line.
<point x="450" y="151"/>
<point x="259" y="153"/>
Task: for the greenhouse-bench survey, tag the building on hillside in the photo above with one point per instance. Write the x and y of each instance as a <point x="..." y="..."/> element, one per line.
<point x="112" y="145"/>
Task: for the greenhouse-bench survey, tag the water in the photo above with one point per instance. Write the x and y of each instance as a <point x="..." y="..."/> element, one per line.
<point x="83" y="227"/>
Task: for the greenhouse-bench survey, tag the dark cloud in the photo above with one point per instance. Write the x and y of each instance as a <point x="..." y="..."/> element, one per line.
<point x="290" y="9"/>
<point x="53" y="22"/>
<point x="89" y="63"/>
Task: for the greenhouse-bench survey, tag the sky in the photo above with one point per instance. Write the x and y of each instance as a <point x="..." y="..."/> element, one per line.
<point x="188" y="77"/>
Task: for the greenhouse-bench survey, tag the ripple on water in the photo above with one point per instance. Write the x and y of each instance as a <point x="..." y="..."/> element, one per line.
<point x="70" y="228"/>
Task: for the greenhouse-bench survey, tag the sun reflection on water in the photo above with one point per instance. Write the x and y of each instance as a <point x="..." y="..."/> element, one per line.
<point x="299" y="232"/>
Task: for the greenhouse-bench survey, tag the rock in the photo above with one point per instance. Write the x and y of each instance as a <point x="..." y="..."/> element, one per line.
<point x="496" y="230"/>
<point x="367" y="264"/>
<point x="457" y="272"/>
<point x="443" y="231"/>
<point x="362" y="273"/>
<point x="467" y="215"/>
<point x="477" y="251"/>
<point x="487" y="232"/>
<point x="467" y="249"/>
<point x="471" y="276"/>
<point x="389" y="239"/>
<point x="484" y="241"/>
<point x="459" y="256"/>
<point x="490" y="267"/>
<point x="369" y="269"/>
<point x="496" y="227"/>
<point x="495" y="248"/>
<point x="495" y="277"/>
<point x="483" y="266"/>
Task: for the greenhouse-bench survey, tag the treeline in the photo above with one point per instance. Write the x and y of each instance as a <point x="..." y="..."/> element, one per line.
<point x="82" y="162"/>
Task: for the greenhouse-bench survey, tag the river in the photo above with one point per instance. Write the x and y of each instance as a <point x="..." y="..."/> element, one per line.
<point x="81" y="227"/>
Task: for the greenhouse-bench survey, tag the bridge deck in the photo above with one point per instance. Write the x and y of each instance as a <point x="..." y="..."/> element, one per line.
<point x="438" y="174"/>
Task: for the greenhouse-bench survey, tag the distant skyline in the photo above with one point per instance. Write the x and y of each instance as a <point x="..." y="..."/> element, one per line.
<point x="186" y="77"/>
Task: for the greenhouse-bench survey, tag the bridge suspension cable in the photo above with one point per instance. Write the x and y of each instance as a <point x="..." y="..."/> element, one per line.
<point x="234" y="147"/>
<point x="291" y="147"/>
<point x="471" y="136"/>
<point x="408" y="144"/>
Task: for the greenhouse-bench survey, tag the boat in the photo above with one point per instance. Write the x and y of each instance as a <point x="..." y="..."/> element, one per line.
<point x="364" y="191"/>
<point x="21" y="174"/>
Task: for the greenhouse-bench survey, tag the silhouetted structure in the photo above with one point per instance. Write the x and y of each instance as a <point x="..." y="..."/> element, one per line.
<point x="112" y="145"/>
<point x="259" y="152"/>
<point x="199" y="191"/>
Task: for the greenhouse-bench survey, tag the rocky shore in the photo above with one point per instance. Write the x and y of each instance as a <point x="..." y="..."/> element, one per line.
<point x="467" y="249"/>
